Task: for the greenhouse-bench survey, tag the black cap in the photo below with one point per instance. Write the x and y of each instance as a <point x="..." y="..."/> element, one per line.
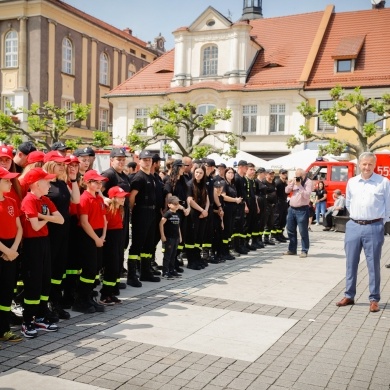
<point x="27" y="147"/>
<point x="242" y="163"/>
<point x="260" y="170"/>
<point x="222" y="165"/>
<point x="90" y="151"/>
<point x="209" y="162"/>
<point x="283" y="171"/>
<point x="197" y="161"/>
<point x="118" y="152"/>
<point x="269" y="171"/>
<point x="59" y="146"/>
<point x="218" y="183"/>
<point x="156" y="157"/>
<point x="132" y="164"/>
<point x="145" y="154"/>
<point x="81" y="152"/>
<point x="178" y="163"/>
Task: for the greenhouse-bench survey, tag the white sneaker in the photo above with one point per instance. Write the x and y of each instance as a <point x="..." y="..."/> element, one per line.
<point x="317" y="224"/>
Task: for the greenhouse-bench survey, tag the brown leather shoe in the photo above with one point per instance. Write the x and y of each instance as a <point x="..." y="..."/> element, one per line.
<point x="345" y="302"/>
<point x="374" y="307"/>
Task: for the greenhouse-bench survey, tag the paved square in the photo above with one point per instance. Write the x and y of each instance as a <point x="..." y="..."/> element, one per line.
<point x="287" y="281"/>
<point x="206" y="330"/>
<point x="21" y="380"/>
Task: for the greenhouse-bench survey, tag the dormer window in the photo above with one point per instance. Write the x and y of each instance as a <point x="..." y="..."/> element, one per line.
<point x="210" y="61"/>
<point x="347" y="52"/>
<point x="345" y="66"/>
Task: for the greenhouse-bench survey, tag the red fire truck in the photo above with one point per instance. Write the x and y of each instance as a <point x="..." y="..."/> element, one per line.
<point x="336" y="174"/>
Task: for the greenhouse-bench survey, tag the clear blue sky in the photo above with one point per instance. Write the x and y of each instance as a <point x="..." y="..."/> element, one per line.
<point x="147" y="18"/>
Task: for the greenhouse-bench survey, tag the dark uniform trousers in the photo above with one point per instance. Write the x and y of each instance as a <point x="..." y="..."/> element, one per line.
<point x="143" y="221"/>
<point x="269" y="220"/>
<point x="36" y="271"/>
<point x="281" y="210"/>
<point x="239" y="232"/>
<point x="7" y="283"/>
<point x="91" y="263"/>
<point x="261" y="217"/>
<point x="112" y="261"/>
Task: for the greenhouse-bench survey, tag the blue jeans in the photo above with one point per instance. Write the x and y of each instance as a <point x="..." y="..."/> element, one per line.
<point x="370" y="238"/>
<point x="298" y="217"/>
<point x="320" y="209"/>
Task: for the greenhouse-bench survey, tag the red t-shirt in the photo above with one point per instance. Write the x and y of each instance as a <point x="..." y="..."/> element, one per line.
<point x="94" y="207"/>
<point x="114" y="220"/>
<point x="9" y="211"/>
<point x="31" y="206"/>
<point x="14" y="195"/>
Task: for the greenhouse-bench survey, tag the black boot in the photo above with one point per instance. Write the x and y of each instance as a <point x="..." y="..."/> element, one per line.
<point x="132" y="279"/>
<point x="258" y="242"/>
<point x="267" y="240"/>
<point x="249" y="246"/>
<point x="192" y="260"/>
<point x="146" y="273"/>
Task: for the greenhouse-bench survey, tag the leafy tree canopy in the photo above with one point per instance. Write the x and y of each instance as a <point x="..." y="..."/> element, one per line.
<point x="347" y="105"/>
<point x="186" y="131"/>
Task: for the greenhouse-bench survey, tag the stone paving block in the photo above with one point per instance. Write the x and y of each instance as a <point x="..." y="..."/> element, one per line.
<point x="221" y="380"/>
<point x="239" y="384"/>
<point x="106" y="384"/>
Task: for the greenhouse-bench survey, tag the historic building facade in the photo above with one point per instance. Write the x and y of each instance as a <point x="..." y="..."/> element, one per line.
<point x="53" y="52"/>
<point x="262" y="69"/>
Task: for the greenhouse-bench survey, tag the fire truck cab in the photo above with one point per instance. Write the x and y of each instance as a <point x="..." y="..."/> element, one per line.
<point x="335" y="174"/>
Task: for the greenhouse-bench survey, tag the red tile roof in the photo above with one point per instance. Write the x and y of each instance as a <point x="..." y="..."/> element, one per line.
<point x="372" y="64"/>
<point x="99" y="23"/>
<point x="286" y="43"/>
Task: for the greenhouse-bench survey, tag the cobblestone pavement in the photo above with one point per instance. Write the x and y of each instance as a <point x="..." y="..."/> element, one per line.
<point x="321" y="347"/>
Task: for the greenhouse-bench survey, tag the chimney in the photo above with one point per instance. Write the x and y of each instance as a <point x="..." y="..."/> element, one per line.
<point x="128" y="31"/>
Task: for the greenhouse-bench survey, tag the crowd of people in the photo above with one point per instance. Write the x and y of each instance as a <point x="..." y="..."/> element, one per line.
<point x="66" y="226"/>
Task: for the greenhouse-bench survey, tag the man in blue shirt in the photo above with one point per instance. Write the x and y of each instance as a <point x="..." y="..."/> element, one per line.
<point x="368" y="203"/>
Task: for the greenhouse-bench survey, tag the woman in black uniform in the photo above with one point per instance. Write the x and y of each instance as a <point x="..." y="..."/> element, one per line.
<point x="229" y="194"/>
<point x="199" y="203"/>
<point x="60" y="194"/>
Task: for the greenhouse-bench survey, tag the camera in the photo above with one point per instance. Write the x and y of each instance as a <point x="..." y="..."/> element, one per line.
<point x="298" y="179"/>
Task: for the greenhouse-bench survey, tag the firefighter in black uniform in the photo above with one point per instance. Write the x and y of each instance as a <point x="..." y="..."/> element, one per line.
<point x="250" y="216"/>
<point x="143" y="207"/>
<point x="270" y="206"/>
<point x="160" y="205"/>
<point x="261" y="193"/>
<point x="239" y="233"/>
<point x="281" y="205"/>
<point x="207" y="256"/>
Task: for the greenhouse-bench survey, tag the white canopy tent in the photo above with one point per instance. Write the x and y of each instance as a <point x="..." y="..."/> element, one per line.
<point x="301" y="159"/>
<point x="232" y="162"/>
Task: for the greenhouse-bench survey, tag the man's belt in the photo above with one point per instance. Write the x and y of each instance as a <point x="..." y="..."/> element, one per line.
<point x="366" y="222"/>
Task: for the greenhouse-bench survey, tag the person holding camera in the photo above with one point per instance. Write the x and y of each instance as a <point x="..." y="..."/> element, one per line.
<point x="298" y="213"/>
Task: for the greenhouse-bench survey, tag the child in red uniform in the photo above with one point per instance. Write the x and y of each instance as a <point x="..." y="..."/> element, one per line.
<point x="113" y="247"/>
<point x="10" y="237"/>
<point x="37" y="211"/>
<point x="92" y="234"/>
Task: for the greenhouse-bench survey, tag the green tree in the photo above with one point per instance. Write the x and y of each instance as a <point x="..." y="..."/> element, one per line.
<point x="347" y="105"/>
<point x="183" y="127"/>
<point x="45" y="124"/>
<point x="101" y="139"/>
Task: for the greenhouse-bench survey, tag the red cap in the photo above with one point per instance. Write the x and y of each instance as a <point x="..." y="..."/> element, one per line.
<point x="56" y="156"/>
<point x="73" y="159"/>
<point x="6" y="151"/>
<point x="37" y="174"/>
<point x="35" y="156"/>
<point x="117" y="192"/>
<point x="4" y="174"/>
<point x="93" y="175"/>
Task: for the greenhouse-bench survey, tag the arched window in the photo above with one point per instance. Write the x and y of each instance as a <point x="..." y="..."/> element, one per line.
<point x="103" y="75"/>
<point x="210" y="61"/>
<point x="67" y="56"/>
<point x="11" y="49"/>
